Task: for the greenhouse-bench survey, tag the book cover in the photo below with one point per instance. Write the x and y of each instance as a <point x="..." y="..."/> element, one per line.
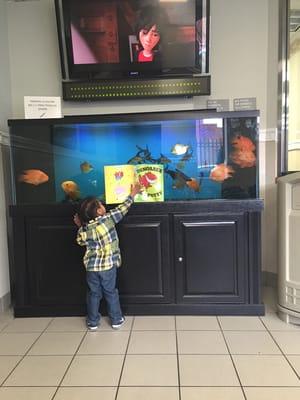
<point x="119" y="178"/>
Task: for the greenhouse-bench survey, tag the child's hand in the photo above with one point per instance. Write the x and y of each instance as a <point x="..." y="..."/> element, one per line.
<point x="134" y="189"/>
<point x="76" y="220"/>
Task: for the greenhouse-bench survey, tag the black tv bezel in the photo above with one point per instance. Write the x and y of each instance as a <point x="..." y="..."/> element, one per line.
<point x="71" y="71"/>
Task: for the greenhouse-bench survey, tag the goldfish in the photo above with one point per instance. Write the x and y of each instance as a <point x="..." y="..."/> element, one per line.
<point x="193" y="184"/>
<point x="86" y="167"/>
<point x="71" y="189"/>
<point x="181" y="180"/>
<point x="245" y="159"/>
<point x="221" y="172"/>
<point x="179" y="149"/>
<point x="242" y="143"/>
<point x="33" y="177"/>
<point x="148" y="179"/>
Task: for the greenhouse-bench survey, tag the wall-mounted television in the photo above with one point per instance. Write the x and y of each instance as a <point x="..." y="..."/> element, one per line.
<point x="117" y="39"/>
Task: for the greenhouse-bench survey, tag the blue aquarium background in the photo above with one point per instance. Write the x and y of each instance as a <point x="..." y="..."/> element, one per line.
<point x="204" y="157"/>
<point x="189" y="148"/>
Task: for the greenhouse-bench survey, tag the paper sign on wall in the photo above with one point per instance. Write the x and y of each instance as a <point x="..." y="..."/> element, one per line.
<point x="42" y="107"/>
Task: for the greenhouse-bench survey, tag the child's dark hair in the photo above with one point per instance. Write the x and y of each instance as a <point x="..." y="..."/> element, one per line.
<point x="88" y="209"/>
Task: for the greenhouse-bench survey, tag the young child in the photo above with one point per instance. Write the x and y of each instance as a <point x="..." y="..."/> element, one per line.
<point x="102" y="257"/>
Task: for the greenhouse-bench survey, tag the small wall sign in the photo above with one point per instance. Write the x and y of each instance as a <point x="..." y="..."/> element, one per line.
<point x="219" y="105"/>
<point x="246" y="103"/>
<point x="42" y="107"/>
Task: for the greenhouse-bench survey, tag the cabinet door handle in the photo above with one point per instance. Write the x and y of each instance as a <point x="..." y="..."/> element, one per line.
<point x="180" y="259"/>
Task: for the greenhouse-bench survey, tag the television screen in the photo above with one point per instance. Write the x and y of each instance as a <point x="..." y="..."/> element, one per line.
<point x="119" y="38"/>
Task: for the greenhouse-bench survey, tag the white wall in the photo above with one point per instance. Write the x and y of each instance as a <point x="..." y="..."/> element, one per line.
<point x="243" y="42"/>
<point x="5" y="111"/>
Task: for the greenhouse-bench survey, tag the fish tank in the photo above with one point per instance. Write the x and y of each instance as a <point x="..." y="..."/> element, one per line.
<point x="202" y="155"/>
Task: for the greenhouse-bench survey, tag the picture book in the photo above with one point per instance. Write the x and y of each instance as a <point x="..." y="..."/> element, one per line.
<point x="119" y="178"/>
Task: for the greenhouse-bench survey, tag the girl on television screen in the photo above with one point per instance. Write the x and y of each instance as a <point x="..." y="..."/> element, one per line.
<point x="148" y="31"/>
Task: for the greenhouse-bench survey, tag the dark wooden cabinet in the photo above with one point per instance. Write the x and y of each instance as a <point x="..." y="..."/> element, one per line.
<point x="210" y="258"/>
<point x="177" y="258"/>
<point x="145" y="275"/>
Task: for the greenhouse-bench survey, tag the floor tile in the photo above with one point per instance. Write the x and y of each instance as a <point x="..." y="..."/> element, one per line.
<point x="207" y="370"/>
<point x="27" y="325"/>
<point x="148" y="393"/>
<point x="159" y="323"/>
<point x="67" y="324"/>
<point x="27" y="393"/>
<point x="295" y="361"/>
<point x="16" y="343"/>
<point x="197" y="323"/>
<point x="39" y="371"/>
<point x="252" y="342"/>
<point x="241" y="324"/>
<point x="211" y="393"/>
<point x="265" y="371"/>
<point x="151" y="342"/>
<point x="272" y="393"/>
<point x="201" y="342"/>
<point x="289" y="342"/>
<point x="98" y="370"/>
<point x="274" y="323"/>
<point x="60" y="343"/>
<point x="104" y="343"/>
<point x="150" y="370"/>
<point x="7" y="363"/>
<point x="85" y="393"/>
<point x="105" y="324"/>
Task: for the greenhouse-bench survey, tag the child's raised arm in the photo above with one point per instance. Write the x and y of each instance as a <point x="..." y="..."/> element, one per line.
<point x="119" y="212"/>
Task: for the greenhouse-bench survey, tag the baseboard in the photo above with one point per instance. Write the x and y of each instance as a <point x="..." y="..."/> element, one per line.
<point x="269" y="279"/>
<point x="5" y="302"/>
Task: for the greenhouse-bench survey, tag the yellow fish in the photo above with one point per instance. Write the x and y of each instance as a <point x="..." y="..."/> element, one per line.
<point x="33" y="177"/>
<point x="179" y="149"/>
<point x="86" y="167"/>
<point x="71" y="189"/>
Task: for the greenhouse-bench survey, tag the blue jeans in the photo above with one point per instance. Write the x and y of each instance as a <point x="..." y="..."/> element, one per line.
<point x="102" y="283"/>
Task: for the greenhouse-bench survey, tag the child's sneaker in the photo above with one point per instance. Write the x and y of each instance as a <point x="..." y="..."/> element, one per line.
<point x="118" y="324"/>
<point x="92" y="327"/>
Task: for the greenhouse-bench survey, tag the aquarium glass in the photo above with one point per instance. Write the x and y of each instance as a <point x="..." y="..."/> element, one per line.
<point x="212" y="157"/>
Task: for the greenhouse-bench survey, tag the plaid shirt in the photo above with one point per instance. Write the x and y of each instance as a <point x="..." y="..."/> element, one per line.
<point x="101" y="239"/>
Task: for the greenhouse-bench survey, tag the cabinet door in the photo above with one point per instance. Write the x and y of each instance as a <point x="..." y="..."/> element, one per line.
<point x="54" y="261"/>
<point x="210" y="258"/>
<point x="144" y="276"/>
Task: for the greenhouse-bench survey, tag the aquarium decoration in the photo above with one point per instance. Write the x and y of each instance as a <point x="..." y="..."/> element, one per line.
<point x="119" y="178"/>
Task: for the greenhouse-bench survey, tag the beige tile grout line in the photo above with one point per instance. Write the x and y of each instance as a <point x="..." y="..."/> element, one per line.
<point x="30" y="347"/>
<point x="282" y="352"/>
<point x="122" y="368"/>
<point x="68" y="367"/>
<point x="177" y="355"/>
<point x="234" y="366"/>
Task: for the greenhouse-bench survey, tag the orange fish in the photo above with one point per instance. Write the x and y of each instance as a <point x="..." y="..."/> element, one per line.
<point x="242" y="143"/>
<point x="71" y="189"/>
<point x="245" y="159"/>
<point x="86" y="167"/>
<point x="33" y="177"/>
<point x="193" y="184"/>
<point x="147" y="179"/>
<point x="221" y="172"/>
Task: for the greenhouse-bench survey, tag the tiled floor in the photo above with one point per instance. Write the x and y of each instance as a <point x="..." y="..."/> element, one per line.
<point x="151" y="358"/>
